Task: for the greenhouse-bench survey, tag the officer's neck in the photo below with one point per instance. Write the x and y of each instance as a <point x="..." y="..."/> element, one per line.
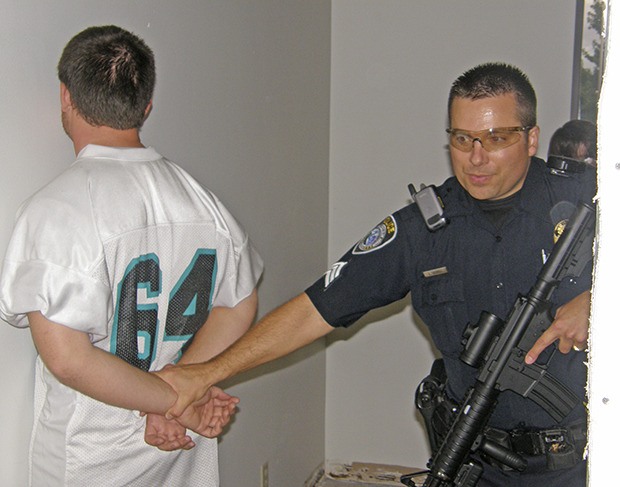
<point x="498" y="210"/>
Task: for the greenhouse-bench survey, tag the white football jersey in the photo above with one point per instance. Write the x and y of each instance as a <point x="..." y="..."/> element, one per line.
<point x="127" y="247"/>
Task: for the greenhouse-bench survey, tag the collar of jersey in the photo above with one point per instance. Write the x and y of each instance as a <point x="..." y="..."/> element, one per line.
<point x="92" y="151"/>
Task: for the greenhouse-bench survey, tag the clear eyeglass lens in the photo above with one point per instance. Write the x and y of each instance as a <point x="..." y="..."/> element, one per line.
<point x="491" y="140"/>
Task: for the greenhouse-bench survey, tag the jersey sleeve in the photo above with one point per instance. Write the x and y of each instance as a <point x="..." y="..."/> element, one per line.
<point x="240" y="266"/>
<point x="373" y="273"/>
<point x="54" y="264"/>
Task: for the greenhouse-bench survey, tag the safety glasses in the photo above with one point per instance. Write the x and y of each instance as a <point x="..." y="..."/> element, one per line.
<point x="491" y="139"/>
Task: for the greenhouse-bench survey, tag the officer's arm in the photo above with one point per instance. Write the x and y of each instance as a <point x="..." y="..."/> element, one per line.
<point x="284" y="330"/>
<point x="223" y="327"/>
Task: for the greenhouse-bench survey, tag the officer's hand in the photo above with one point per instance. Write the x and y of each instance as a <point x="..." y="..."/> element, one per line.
<point x="189" y="384"/>
<point x="570" y="328"/>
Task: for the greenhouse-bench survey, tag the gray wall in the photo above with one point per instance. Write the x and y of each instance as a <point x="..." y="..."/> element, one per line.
<point x="393" y="62"/>
<point x="242" y="102"/>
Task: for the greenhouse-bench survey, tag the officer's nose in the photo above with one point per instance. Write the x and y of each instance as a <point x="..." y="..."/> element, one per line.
<point x="478" y="155"/>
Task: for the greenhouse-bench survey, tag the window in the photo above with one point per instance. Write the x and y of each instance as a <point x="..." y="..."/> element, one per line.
<point x="589" y="57"/>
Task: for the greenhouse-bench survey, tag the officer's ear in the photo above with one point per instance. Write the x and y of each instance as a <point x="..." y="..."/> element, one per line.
<point x="532" y="140"/>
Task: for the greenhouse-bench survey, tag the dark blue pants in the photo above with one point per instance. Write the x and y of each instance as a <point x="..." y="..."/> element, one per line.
<point x="536" y="475"/>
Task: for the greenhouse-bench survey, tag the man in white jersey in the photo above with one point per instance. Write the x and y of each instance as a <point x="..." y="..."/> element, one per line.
<point x="121" y="265"/>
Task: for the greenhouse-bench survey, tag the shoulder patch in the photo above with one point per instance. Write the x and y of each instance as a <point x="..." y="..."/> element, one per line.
<point x="378" y="237"/>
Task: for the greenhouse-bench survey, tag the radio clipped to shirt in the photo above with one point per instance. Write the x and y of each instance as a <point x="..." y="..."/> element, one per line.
<point x="430" y="206"/>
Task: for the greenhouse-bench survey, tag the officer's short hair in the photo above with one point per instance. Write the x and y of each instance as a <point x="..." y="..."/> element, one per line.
<point x="495" y="79"/>
<point x="110" y="74"/>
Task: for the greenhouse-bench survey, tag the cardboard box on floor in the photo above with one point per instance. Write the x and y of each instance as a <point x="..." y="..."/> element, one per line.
<point x="357" y="474"/>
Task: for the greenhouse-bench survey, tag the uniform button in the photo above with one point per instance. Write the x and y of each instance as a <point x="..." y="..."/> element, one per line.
<point x="499" y="285"/>
<point x="433" y="297"/>
<point x="498" y="238"/>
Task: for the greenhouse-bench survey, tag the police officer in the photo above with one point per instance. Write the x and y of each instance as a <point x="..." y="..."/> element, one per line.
<point x="500" y="207"/>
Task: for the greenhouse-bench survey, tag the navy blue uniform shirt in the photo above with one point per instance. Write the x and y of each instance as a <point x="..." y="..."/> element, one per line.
<point x="460" y="270"/>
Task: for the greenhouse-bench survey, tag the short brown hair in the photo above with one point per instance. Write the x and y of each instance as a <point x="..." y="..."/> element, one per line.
<point x="110" y="74"/>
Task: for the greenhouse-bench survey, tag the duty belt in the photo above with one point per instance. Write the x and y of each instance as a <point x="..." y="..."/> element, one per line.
<point x="563" y="446"/>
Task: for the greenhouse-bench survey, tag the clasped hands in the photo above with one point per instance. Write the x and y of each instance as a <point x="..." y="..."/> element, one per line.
<point x="206" y="415"/>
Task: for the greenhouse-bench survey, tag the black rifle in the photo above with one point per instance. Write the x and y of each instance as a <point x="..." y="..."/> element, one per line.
<point x="502" y="349"/>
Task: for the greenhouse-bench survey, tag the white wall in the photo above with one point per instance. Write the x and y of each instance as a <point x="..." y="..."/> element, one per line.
<point x="392" y="66"/>
<point x="242" y="102"/>
<point x="604" y="388"/>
